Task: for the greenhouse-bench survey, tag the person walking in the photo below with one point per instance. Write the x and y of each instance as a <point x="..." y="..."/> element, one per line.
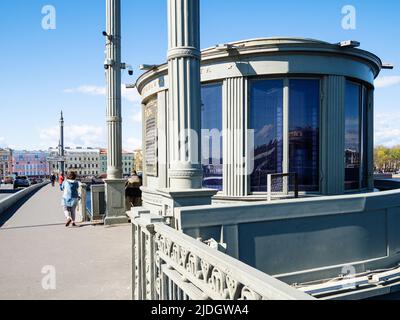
<point x="133" y="194"/>
<point x="53" y="179"/>
<point x="70" y="198"/>
<point x="61" y="179"/>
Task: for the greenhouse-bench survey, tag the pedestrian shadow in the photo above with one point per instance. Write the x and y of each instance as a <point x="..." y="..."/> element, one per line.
<point x="78" y="226"/>
<point x="34" y="226"/>
<point x="88" y="224"/>
<point x="9" y="213"/>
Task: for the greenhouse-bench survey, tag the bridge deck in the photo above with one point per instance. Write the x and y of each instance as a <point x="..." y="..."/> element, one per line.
<point x="90" y="262"/>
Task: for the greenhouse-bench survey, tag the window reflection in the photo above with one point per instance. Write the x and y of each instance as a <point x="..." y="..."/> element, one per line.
<point x="211" y="125"/>
<point x="352" y="136"/>
<point x="266" y="119"/>
<point x="364" y="138"/>
<point x="304" y="132"/>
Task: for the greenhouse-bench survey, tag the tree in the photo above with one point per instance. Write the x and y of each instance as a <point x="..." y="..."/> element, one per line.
<point x="387" y="159"/>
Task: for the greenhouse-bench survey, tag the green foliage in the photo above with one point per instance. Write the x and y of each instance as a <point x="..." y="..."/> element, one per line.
<point x="387" y="159"/>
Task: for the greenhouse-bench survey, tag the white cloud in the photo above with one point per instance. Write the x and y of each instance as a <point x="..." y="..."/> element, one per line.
<point x="75" y="135"/>
<point x="82" y="136"/>
<point x="137" y="117"/>
<point x="132" y="144"/>
<point x="131" y="95"/>
<point x="387" y="81"/>
<point x="387" y="129"/>
<point x="87" y="89"/>
<point x="3" y="142"/>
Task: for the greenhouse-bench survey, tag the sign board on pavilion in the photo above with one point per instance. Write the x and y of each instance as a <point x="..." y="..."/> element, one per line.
<point x="150" y="122"/>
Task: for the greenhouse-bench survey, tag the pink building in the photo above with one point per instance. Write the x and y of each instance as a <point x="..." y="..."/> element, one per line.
<point x="30" y="163"/>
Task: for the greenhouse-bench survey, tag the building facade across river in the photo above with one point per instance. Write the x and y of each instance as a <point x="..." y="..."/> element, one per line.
<point x="272" y="106"/>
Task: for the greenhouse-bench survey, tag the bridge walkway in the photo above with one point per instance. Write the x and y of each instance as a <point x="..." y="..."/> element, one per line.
<point x="89" y="262"/>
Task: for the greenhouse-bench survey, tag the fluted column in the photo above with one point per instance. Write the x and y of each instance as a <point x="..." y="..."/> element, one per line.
<point x="184" y="94"/>
<point x="234" y="146"/>
<point x="332" y="136"/>
<point x="114" y="121"/>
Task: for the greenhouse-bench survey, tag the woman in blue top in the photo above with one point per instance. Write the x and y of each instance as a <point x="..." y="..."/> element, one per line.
<point x="70" y="197"/>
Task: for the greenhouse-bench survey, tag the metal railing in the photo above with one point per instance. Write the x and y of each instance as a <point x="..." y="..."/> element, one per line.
<point x="98" y="202"/>
<point x="282" y="184"/>
<point x="169" y="265"/>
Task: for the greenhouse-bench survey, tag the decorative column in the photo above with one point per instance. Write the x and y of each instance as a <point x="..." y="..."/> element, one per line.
<point x="185" y="169"/>
<point x="114" y="188"/>
<point x="332" y="136"/>
<point x="234" y="117"/>
<point x="184" y="94"/>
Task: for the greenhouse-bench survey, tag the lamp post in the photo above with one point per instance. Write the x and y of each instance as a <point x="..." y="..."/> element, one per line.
<point x="114" y="184"/>
<point x="61" y="152"/>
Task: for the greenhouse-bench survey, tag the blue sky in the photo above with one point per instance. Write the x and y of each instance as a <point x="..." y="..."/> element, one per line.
<point x="46" y="70"/>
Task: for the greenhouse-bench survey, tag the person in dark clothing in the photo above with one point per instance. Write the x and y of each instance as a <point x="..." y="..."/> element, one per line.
<point x="53" y="179"/>
<point x="133" y="194"/>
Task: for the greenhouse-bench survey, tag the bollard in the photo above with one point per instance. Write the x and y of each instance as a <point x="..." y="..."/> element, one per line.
<point x="81" y="215"/>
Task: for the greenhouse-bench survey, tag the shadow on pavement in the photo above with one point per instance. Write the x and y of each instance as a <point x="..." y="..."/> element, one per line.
<point x="83" y="225"/>
<point x="4" y="217"/>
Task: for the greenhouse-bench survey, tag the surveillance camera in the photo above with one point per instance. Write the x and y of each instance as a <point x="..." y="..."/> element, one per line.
<point x="127" y="66"/>
<point x="108" y="63"/>
<point x="109" y="36"/>
<point x="130" y="70"/>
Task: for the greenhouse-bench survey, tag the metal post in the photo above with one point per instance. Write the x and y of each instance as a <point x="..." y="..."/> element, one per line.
<point x="296" y="185"/>
<point x="115" y="193"/>
<point x="82" y="203"/>
<point x="269" y="187"/>
<point x="61" y="151"/>
<point x="113" y="72"/>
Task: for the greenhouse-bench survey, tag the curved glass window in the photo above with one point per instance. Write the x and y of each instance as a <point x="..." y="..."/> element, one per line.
<point x="364" y="138"/>
<point x="304" y="99"/>
<point x="266" y="119"/>
<point x="211" y="126"/>
<point x="269" y="105"/>
<point x="352" y="136"/>
<point x="356" y="136"/>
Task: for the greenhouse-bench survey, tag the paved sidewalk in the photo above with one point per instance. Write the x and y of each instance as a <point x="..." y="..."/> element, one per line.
<point x="91" y="262"/>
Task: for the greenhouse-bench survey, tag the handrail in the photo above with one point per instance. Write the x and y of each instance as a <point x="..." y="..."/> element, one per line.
<point x="10" y="201"/>
<point x="161" y="254"/>
<point x="260" y="283"/>
<point x="285" y="185"/>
